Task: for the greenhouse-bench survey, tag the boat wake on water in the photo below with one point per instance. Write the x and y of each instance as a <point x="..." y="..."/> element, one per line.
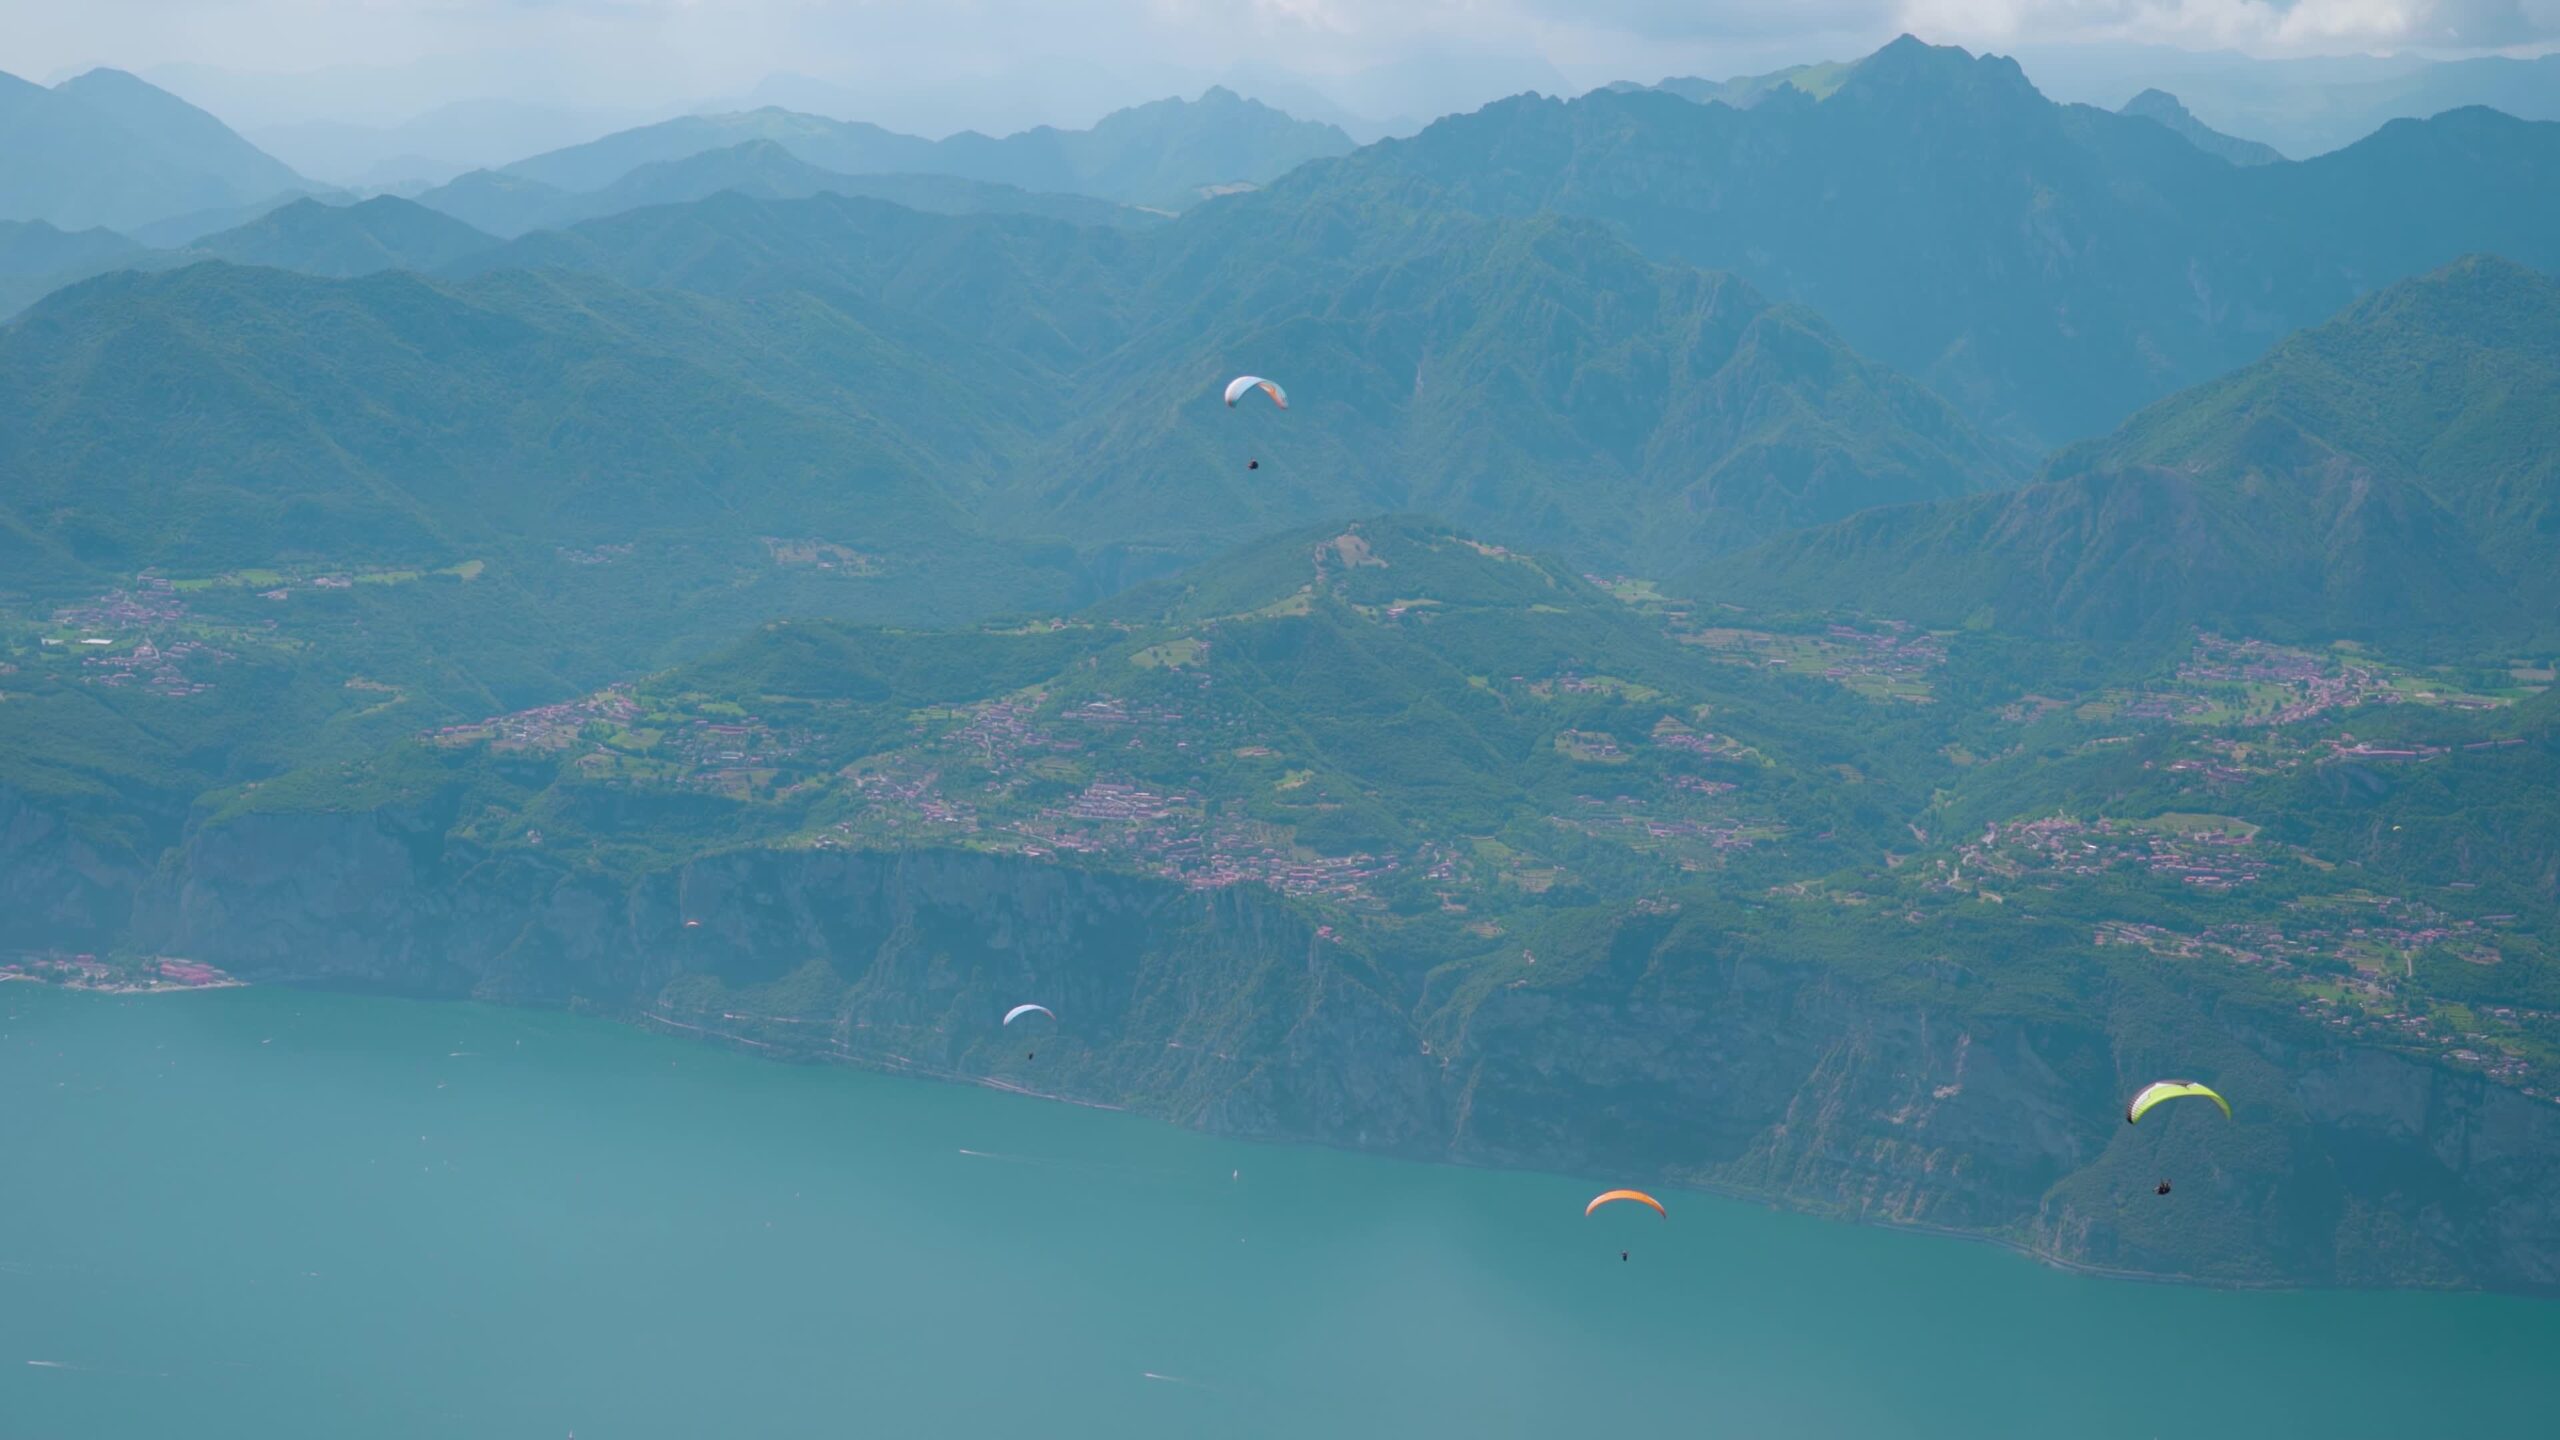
<point x="1179" y="1380"/>
<point x="80" y="1369"/>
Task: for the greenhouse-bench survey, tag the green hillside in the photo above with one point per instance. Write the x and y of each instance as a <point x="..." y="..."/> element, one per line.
<point x="550" y="408"/>
<point x="2388" y="475"/>
<point x="492" y="493"/>
<point x="1373" y="714"/>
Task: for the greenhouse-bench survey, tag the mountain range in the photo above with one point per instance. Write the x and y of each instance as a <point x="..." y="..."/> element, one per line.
<point x="1167" y="154"/>
<point x="2390" y="476"/>
<point x="2047" y="268"/>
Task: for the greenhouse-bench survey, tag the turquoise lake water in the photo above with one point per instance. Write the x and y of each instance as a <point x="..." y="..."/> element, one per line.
<point x="276" y="1214"/>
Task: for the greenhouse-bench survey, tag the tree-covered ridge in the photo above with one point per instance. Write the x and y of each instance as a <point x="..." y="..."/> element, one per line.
<point x="2387" y="476"/>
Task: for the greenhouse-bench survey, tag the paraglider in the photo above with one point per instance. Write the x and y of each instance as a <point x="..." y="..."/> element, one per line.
<point x="2160" y="1090"/>
<point x="1634" y="1197"/>
<point x="1018" y="1011"/>
<point x="1611" y="1197"/>
<point x="1242" y="384"/>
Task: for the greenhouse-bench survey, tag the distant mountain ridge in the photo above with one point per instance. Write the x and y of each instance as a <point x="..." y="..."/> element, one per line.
<point x="2392" y="475"/>
<point x="511" y="205"/>
<point x="1744" y="91"/>
<point x="2048" y="268"/>
<point x="383" y="233"/>
<point x="2163" y="107"/>
<point x="1165" y="154"/>
<point x="107" y="149"/>
<point x="36" y="257"/>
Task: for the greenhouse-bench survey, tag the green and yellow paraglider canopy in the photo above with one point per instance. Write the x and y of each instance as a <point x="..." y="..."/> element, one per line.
<point x="2159" y="1090"/>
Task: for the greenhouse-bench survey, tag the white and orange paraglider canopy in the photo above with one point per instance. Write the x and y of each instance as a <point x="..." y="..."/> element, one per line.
<point x="1242" y="385"/>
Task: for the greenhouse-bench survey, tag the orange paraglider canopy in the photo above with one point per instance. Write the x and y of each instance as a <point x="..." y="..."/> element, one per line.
<point x="1638" y="1196"/>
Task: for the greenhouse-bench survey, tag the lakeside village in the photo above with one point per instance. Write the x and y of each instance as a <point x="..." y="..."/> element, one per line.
<point x="116" y="975"/>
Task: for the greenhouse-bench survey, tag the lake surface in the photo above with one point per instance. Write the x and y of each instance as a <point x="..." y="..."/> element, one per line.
<point x="278" y="1214"/>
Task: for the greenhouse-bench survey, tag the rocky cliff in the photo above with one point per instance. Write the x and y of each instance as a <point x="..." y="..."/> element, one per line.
<point x="62" y="886"/>
<point x="1916" y="1094"/>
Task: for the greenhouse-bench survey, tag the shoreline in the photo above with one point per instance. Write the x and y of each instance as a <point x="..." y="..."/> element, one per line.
<point x="649" y="1020"/>
<point x="898" y="1066"/>
<point x="91" y="978"/>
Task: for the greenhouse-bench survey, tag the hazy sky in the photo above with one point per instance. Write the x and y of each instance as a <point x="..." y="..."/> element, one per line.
<point x="1063" y="58"/>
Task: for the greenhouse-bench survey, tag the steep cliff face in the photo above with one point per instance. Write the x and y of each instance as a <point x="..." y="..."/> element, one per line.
<point x="1911" y="1098"/>
<point x="1225" y="1010"/>
<point x="1921" y="1095"/>
<point x="61" y="888"/>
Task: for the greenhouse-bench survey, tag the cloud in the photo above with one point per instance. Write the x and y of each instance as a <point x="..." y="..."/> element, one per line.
<point x="1000" y="62"/>
<point x="2269" y="27"/>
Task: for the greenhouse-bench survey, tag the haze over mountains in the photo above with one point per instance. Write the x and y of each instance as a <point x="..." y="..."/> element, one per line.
<point x="1754" y="540"/>
<point x="107" y="149"/>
